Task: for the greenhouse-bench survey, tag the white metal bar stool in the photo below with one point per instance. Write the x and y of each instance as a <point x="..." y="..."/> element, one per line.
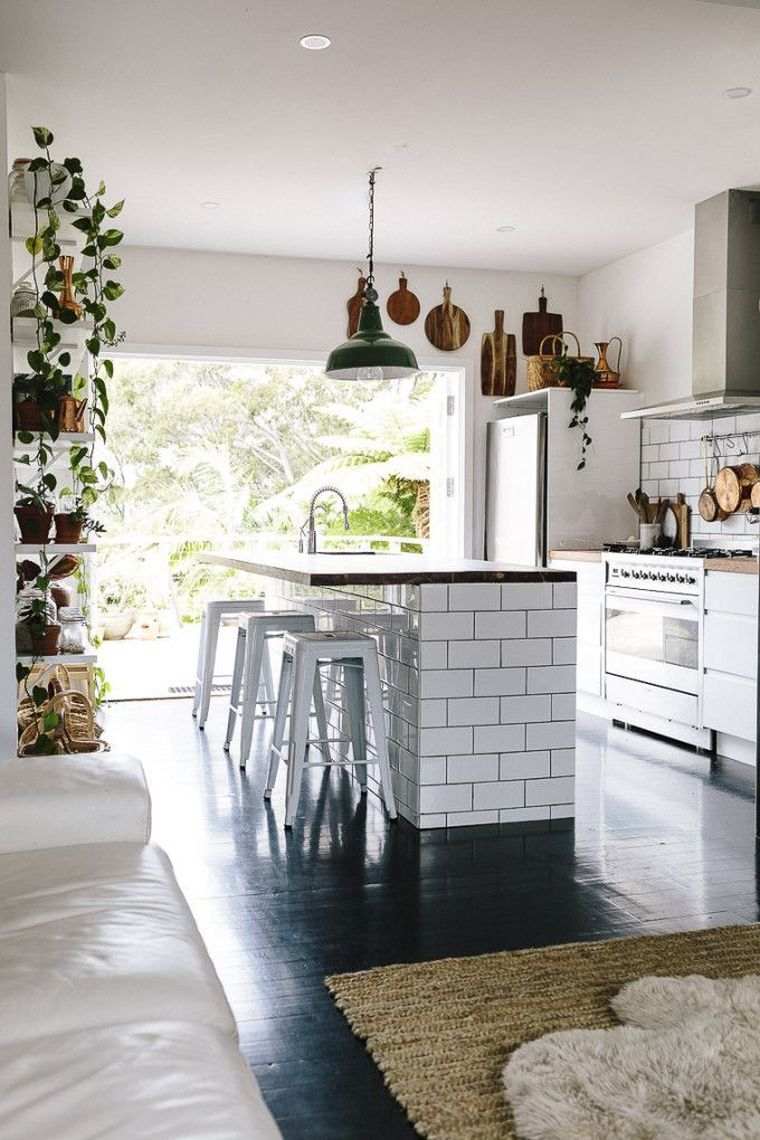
<point x="216" y="613"/>
<point x="252" y="660"/>
<point x="302" y="656"/>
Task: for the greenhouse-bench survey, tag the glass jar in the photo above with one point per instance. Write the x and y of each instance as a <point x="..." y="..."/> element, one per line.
<point x="73" y="630"/>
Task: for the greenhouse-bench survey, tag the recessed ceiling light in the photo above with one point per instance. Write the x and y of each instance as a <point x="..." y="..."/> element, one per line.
<point x="210" y="205"/>
<point x="505" y="229"/>
<point x="315" y="42"/>
<point x="737" y="92"/>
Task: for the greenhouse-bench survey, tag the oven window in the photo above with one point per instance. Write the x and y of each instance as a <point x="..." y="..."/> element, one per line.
<point x="652" y="636"/>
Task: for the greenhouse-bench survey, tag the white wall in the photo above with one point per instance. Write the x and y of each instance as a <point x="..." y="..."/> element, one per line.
<point x="645" y="299"/>
<point x="7" y="558"/>
<point x="180" y="299"/>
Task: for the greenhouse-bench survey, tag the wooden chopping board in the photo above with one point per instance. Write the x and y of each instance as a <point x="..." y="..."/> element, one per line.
<point x="354" y="305"/>
<point x="447" y="327"/>
<point x="538" y="325"/>
<point x="403" y="306"/>
<point x="498" y="360"/>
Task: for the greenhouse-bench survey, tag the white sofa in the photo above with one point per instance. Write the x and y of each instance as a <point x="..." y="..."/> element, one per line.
<point x="113" y="1022"/>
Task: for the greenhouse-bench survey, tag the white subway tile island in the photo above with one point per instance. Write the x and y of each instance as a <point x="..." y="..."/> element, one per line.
<point x="477" y="661"/>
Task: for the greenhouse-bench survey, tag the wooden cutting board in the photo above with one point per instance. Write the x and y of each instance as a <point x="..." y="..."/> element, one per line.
<point x="447" y="327"/>
<point x="498" y="360"/>
<point x="403" y="306"/>
<point x="354" y="305"/>
<point x="538" y="325"/>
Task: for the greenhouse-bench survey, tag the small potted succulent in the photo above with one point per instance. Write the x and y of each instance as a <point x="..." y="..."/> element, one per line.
<point x="73" y="521"/>
<point x="34" y="509"/>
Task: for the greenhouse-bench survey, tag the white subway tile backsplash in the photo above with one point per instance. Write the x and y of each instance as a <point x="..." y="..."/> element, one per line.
<point x="506" y="623"/>
<point x="524" y="814"/>
<point x="524" y="710"/>
<point x="433" y="654"/>
<point x="565" y="595"/>
<point x="473" y="710"/>
<point x="524" y="765"/>
<point x="433" y="770"/>
<point x="499" y="795"/>
<point x="526" y="596"/>
<point x="499" y="682"/>
<point x="563" y="762"/>
<point x="527" y="651"/>
<point x="432" y="713"/>
<point x="679" y="469"/>
<point x="563" y="706"/>
<point x="680" y="430"/>
<point x="471" y="818"/>
<point x="551" y="623"/>
<point x="562" y="811"/>
<point x="659" y="431"/>
<point x="499" y="738"/>
<point x="442" y="741"/>
<point x="565" y="650"/>
<point x="557" y="734"/>
<point x="658" y="471"/>
<point x="446" y="626"/>
<point x="445" y="797"/>
<point x="551" y="679"/>
<point x="474" y="596"/>
<point x="669" y="451"/>
<point x="446" y="683"/>
<point x="472" y="769"/>
<point x="474" y="654"/>
<point x="433" y="596"/>
<point x="555" y="790"/>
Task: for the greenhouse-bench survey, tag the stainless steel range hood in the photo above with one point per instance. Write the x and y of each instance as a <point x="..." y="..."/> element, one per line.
<point x="726" y="316"/>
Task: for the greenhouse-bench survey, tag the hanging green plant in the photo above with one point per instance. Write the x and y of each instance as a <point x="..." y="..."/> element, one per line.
<point x="576" y="373"/>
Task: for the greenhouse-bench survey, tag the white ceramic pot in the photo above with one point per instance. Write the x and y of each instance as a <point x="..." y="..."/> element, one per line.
<point x="648" y="535"/>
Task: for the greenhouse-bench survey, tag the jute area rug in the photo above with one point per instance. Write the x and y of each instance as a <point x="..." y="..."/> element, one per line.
<point x="441" y="1032"/>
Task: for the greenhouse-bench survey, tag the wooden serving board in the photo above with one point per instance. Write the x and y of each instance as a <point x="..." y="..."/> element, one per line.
<point x="354" y="305"/>
<point x="403" y="306"/>
<point x="447" y="327"/>
<point x="538" y="325"/>
<point x="498" y="360"/>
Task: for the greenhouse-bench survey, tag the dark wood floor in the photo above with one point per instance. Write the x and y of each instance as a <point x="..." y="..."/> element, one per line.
<point x="660" y="844"/>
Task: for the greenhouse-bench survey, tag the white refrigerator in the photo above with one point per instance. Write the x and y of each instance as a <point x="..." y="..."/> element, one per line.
<point x="536" y="499"/>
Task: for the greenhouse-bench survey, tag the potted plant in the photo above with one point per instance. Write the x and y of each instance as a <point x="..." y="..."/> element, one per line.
<point x="577" y="373"/>
<point x="35" y="400"/>
<point x="73" y="521"/>
<point x="34" y="510"/>
<point x="36" y="614"/>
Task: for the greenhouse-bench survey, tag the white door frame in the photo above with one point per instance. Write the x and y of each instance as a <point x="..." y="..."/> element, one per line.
<point x="457" y="516"/>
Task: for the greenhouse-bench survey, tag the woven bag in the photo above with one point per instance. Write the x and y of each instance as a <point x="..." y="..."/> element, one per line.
<point x="542" y="369"/>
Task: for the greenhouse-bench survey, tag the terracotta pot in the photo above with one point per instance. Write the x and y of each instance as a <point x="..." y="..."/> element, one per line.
<point x="34" y="523"/>
<point x="45" y="644"/>
<point x="61" y="595"/>
<point x="27" y="415"/>
<point x="67" y="529"/>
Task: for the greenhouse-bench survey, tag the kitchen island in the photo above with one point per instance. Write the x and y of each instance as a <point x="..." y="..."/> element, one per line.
<point x="477" y="661"/>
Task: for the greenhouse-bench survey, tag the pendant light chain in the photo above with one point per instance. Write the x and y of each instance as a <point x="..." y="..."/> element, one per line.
<point x="370" y="293"/>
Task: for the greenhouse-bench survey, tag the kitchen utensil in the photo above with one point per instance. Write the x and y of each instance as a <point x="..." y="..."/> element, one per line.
<point x="681" y="514"/>
<point x="662" y="509"/>
<point x="71" y="413"/>
<point x="498" y="360"/>
<point x="403" y="306"/>
<point x="606" y="377"/>
<point x="642" y="498"/>
<point x="542" y="368"/>
<point x="733" y="486"/>
<point x="354" y="304"/>
<point x="633" y="504"/>
<point x="649" y="533"/>
<point x="538" y="325"/>
<point x="447" y="327"/>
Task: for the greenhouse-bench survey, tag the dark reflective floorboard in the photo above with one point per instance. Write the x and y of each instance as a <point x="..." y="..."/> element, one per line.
<point x="660" y="844"/>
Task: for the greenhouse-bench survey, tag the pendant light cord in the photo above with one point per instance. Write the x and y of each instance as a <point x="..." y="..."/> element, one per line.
<point x="371" y="254"/>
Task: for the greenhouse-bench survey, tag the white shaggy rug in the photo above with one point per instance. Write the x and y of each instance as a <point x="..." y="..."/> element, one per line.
<point x="685" y="1063"/>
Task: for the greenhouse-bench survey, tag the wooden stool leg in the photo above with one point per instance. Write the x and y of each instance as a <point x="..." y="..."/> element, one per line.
<point x="280" y="716"/>
<point x="303" y="687"/>
<point x="210" y="642"/>
<point x="254" y="652"/>
<point x="353" y="683"/>
<point x="199" y="665"/>
<point x="375" y="695"/>
<point x="235" y="687"/>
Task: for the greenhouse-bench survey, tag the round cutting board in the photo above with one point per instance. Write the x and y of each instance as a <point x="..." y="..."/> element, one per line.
<point x="403" y="306"/>
<point x="447" y="327"/>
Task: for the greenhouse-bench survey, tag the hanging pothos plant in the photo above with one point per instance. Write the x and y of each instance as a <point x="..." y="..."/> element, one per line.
<point x="577" y="374"/>
<point x="60" y="189"/>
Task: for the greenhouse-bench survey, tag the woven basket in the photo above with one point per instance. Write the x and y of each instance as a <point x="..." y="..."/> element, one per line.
<point x="76" y="731"/>
<point x="542" y="369"/>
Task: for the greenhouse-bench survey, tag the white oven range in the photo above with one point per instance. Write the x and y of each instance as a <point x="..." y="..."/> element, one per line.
<point x="653" y="644"/>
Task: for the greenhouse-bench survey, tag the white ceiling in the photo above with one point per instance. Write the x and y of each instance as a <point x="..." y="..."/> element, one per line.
<point x="590" y="125"/>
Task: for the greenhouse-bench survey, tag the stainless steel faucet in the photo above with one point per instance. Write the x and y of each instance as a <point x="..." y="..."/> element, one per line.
<point x="311" y="546"/>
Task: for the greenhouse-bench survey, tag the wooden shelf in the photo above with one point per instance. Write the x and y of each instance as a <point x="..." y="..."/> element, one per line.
<point x="24" y="333"/>
<point x="89" y="657"/>
<point x="64" y="438"/>
<point x="54" y="548"/>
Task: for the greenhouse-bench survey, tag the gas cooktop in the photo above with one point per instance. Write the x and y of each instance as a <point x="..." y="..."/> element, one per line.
<point x="674" y="552"/>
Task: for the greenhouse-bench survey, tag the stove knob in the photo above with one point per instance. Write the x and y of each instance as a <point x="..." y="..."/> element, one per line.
<point x="624" y="574"/>
<point x="671" y="577"/>
<point x="635" y="574"/>
<point x="680" y="578"/>
<point x="691" y="580"/>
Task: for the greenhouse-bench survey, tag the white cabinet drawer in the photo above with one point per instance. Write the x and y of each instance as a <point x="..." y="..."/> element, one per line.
<point x="665" y="703"/>
<point x="731" y="593"/>
<point x="729" y="705"/>
<point x="731" y="643"/>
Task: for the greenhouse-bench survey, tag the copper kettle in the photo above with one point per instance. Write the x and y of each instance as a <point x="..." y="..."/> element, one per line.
<point x="71" y="413"/>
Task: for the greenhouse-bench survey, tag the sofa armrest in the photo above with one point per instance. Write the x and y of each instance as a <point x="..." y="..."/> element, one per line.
<point x="59" y="801"/>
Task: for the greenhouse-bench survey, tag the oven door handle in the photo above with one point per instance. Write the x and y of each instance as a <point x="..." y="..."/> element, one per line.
<point x="667" y="607"/>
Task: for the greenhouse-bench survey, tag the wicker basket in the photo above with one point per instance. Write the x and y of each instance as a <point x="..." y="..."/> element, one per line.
<point x="77" y="730"/>
<point x="542" y="369"/>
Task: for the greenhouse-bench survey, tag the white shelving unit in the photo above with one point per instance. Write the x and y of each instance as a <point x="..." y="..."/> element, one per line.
<point x="73" y="337"/>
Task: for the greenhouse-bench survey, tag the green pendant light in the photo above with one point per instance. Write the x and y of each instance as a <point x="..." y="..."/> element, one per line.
<point x="370" y="354"/>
